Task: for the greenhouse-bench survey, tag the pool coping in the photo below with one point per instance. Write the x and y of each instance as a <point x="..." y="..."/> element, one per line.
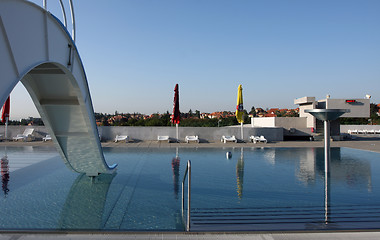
<point x="363" y="144"/>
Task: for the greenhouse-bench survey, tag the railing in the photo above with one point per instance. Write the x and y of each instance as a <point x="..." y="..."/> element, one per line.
<point x="188" y="174"/>
<point x="73" y="32"/>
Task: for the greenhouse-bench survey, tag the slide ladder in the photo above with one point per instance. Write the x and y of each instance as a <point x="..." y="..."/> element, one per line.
<point x="37" y="50"/>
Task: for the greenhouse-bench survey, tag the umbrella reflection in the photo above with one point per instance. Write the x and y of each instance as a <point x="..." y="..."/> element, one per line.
<point x="175" y="168"/>
<point x="84" y="205"/>
<point x="5" y="174"/>
<point x="240" y="174"/>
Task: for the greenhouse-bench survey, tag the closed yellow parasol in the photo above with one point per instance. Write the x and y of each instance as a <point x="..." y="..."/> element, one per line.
<point x="239" y="109"/>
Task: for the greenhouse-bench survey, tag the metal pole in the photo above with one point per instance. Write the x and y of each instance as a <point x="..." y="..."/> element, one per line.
<point x="6" y="128"/>
<point x="44" y="3"/>
<point x="63" y="13"/>
<point x="177" y="132"/>
<point x="327" y="146"/>
<point x="73" y="20"/>
<point x="242" y="137"/>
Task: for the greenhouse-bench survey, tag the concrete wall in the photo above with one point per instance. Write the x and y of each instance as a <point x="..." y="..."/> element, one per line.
<point x="206" y="134"/>
<point x="263" y="122"/>
<point x="358" y="109"/>
<point x="285" y="122"/>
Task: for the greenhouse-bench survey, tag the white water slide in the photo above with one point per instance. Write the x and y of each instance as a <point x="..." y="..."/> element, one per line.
<point x="37" y="49"/>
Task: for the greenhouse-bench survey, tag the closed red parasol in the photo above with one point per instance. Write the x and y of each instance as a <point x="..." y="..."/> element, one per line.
<point x="6" y="109"/>
<point x="176" y="113"/>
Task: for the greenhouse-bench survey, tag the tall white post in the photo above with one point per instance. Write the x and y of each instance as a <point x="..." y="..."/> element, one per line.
<point x="327" y="146"/>
<point x="242" y="137"/>
<point x="177" y="131"/>
<point x="6" y="128"/>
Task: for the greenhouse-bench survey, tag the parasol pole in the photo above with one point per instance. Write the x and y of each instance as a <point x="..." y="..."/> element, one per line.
<point x="177" y="131"/>
<point x="241" y="125"/>
<point x="6" y="128"/>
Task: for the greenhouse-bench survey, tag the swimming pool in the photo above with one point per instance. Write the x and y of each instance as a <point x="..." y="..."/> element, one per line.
<point x="256" y="189"/>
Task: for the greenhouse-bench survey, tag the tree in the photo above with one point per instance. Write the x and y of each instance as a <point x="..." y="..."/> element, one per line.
<point x="253" y="111"/>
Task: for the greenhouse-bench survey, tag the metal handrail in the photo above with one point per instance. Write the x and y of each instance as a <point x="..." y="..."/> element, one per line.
<point x="188" y="174"/>
<point x="73" y="32"/>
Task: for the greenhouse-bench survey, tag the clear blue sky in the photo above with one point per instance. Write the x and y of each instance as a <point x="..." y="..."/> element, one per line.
<point x="135" y="51"/>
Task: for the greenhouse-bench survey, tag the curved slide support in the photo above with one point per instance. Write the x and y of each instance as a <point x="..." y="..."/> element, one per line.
<point x="37" y="50"/>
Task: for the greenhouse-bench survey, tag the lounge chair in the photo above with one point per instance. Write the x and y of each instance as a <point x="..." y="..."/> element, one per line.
<point x="228" y="139"/>
<point x="191" y="138"/>
<point x="46" y="138"/>
<point x="355" y="131"/>
<point x="256" y="139"/>
<point x="122" y="138"/>
<point x="377" y="131"/>
<point x="27" y="135"/>
<point x="163" y="138"/>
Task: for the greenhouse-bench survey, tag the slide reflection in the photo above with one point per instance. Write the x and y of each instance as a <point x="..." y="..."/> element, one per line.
<point x="85" y="202"/>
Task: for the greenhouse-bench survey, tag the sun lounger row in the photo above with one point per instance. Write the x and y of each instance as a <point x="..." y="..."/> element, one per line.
<point x="254" y="139"/>
<point x="356" y="131"/>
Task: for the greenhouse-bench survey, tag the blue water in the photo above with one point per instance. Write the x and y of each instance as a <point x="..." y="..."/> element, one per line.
<point x="145" y="193"/>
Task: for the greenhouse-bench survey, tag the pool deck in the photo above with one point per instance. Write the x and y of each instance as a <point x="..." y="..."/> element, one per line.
<point x="369" y="144"/>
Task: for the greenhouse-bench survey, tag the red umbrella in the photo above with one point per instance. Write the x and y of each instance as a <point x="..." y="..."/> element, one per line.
<point x="175" y="116"/>
<point x="176" y="113"/>
<point x="6" y="109"/>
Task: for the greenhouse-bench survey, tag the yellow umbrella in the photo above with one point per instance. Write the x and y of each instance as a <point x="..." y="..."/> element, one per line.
<point x="239" y="108"/>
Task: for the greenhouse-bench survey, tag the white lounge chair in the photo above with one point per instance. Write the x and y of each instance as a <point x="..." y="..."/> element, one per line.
<point x="122" y="138"/>
<point x="377" y="131"/>
<point x="256" y="139"/>
<point x="163" y="138"/>
<point x="228" y="139"/>
<point x="27" y="135"/>
<point x="191" y="138"/>
<point x="46" y="138"/>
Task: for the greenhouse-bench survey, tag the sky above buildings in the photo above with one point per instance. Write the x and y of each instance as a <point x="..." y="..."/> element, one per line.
<point x="135" y="51"/>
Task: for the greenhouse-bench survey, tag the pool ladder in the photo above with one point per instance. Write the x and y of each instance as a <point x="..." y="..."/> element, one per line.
<point x="188" y="174"/>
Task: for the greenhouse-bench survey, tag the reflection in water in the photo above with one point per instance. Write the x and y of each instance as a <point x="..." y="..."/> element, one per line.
<point x="84" y="205"/>
<point x="348" y="169"/>
<point x="240" y="174"/>
<point x="5" y="174"/>
<point x="175" y="168"/>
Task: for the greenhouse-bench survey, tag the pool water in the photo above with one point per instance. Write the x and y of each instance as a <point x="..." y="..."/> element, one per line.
<point x="256" y="189"/>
